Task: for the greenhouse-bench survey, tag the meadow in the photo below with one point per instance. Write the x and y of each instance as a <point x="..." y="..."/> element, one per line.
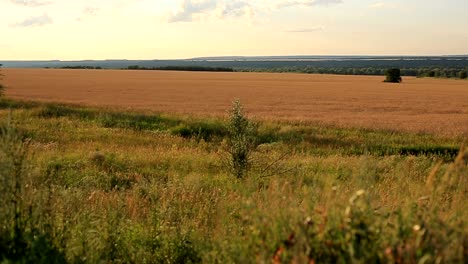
<point x="134" y="181"/>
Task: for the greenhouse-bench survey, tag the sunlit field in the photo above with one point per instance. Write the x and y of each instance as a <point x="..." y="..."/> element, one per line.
<point x="426" y="105"/>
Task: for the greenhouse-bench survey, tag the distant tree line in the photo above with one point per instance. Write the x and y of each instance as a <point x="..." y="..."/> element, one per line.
<point x="460" y="72"/>
<point x="417" y="72"/>
<point x="79" y="67"/>
<point x="182" y="68"/>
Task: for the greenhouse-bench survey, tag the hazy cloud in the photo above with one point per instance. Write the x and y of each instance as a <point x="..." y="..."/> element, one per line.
<point x="381" y="4"/>
<point x="35" y="21"/>
<point x="289" y="3"/>
<point x="305" y="30"/>
<point x="32" y="3"/>
<point x="221" y="9"/>
<point x="237" y="9"/>
<point x="88" y="12"/>
<point x="190" y="8"/>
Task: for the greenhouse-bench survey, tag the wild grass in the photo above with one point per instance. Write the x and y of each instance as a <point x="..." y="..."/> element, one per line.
<point x="98" y="185"/>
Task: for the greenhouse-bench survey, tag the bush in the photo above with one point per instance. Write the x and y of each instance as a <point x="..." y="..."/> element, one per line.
<point x="393" y="75"/>
<point x="242" y="140"/>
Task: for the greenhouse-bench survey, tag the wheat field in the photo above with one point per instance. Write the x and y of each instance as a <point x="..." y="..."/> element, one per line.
<point x="435" y="106"/>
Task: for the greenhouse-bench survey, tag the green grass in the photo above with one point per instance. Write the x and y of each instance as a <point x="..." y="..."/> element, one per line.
<point x="99" y="185"/>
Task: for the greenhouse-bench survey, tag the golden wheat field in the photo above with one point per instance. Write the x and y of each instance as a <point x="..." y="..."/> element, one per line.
<point x="435" y="106"/>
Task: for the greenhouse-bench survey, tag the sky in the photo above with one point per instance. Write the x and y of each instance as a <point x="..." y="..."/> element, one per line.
<point x="175" y="29"/>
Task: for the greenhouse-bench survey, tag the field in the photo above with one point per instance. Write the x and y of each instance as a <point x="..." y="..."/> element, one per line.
<point x="416" y="105"/>
<point x="138" y="169"/>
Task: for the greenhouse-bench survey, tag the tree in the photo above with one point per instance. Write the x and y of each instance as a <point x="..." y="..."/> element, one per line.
<point x="393" y="75"/>
<point x="463" y="75"/>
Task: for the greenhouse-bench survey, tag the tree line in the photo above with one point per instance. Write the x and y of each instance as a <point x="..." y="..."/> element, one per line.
<point x="182" y="68"/>
<point x="79" y="67"/>
<point x="436" y="72"/>
<point x="417" y="72"/>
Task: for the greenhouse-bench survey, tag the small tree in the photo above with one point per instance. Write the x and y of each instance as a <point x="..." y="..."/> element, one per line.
<point x="393" y="75"/>
<point x="242" y="140"/>
<point x="463" y="75"/>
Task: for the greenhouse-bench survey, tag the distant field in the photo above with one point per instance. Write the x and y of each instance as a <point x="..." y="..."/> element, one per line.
<point x="417" y="105"/>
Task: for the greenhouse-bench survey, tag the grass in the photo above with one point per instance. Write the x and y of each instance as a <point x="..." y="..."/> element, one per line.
<point x="99" y="185"/>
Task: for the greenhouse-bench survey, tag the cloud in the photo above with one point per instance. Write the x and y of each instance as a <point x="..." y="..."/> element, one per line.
<point x="32" y="3"/>
<point x="305" y="30"/>
<point x="237" y="9"/>
<point x="88" y="12"/>
<point x="35" y="21"/>
<point x="289" y="3"/>
<point x="191" y="9"/>
<point x="383" y="5"/>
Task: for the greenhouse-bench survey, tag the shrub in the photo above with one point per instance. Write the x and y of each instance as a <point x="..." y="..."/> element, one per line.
<point x="242" y="140"/>
<point x="393" y="75"/>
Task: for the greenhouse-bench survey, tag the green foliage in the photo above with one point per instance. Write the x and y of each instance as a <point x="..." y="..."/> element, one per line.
<point x="24" y="237"/>
<point x="110" y="119"/>
<point x="242" y="140"/>
<point x="14" y="104"/>
<point x="136" y="121"/>
<point x="56" y="111"/>
<point x="393" y="75"/>
<point x="206" y="130"/>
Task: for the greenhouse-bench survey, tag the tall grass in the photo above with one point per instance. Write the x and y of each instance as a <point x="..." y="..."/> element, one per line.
<point x="85" y="190"/>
